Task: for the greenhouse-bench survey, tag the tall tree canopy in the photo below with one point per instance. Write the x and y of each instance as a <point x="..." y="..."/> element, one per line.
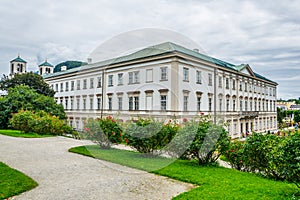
<point x="23" y="97"/>
<point x="32" y="80"/>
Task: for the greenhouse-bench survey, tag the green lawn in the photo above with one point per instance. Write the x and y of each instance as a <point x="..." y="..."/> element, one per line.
<point x="16" y="133"/>
<point x="213" y="182"/>
<point x="13" y="182"/>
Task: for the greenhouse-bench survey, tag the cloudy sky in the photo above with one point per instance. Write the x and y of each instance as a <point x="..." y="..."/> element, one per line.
<point x="264" y="34"/>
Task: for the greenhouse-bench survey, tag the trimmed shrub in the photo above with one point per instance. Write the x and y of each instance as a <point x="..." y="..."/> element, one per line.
<point x="146" y="135"/>
<point x="39" y="122"/>
<point x="201" y="140"/>
<point x="235" y="155"/>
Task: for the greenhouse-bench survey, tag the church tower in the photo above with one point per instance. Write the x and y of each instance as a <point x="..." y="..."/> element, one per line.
<point x="45" y="68"/>
<point x="17" y="66"/>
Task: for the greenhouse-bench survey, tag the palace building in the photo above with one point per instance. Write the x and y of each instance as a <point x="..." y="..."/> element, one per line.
<point x="166" y="81"/>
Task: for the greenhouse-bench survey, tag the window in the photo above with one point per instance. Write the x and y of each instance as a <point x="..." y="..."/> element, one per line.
<point x="241" y="105"/>
<point x="91" y="103"/>
<point x="99" y="84"/>
<point x="110" y="81"/>
<point x="67" y="86"/>
<point x="255" y="106"/>
<point x="61" y="87"/>
<point x="185" y="74"/>
<point x="209" y="104"/>
<point x="98" y="103"/>
<point x="149" y="75"/>
<point x="110" y="102"/>
<point x="56" y="87"/>
<point x="120" y="103"/>
<point x="72" y="85"/>
<point x="78" y="103"/>
<point x="227" y="83"/>
<point x="163" y="74"/>
<point x="227" y="104"/>
<point x="84" y="83"/>
<point x="233" y="105"/>
<point x="136" y="77"/>
<point x="84" y="103"/>
<point x="78" y="84"/>
<point x="251" y="105"/>
<point x="66" y="103"/>
<point x="233" y="84"/>
<point x="250" y="87"/>
<point x="246" y="105"/>
<point x="220" y="81"/>
<point x="210" y="79"/>
<point x="136" y="103"/>
<point x="120" y="79"/>
<point x="163" y="102"/>
<point x="185" y="103"/>
<point x="130" y="103"/>
<point x="220" y="104"/>
<point x="91" y="83"/>
<point x="72" y="103"/>
<point x="246" y="87"/>
<point x="199" y="77"/>
<point x="259" y="106"/>
<point x="198" y="104"/>
<point x="241" y="85"/>
<point x="130" y="77"/>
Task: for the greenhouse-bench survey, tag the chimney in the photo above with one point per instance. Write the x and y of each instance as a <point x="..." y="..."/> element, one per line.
<point x="89" y="60"/>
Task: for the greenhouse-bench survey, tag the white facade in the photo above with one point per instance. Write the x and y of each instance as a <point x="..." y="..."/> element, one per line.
<point x="177" y="83"/>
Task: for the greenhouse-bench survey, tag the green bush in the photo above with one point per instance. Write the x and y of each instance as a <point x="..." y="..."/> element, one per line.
<point x="235" y="155"/>
<point x="201" y="140"/>
<point x="104" y="132"/>
<point x="39" y="122"/>
<point x="147" y="136"/>
<point x="290" y="168"/>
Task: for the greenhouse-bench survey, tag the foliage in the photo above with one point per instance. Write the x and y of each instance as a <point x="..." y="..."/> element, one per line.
<point x="104" y="132"/>
<point x="23" y="97"/>
<point x="13" y="182"/>
<point x="268" y="155"/>
<point x="214" y="182"/>
<point x="234" y="155"/>
<point x="202" y="140"/>
<point x="147" y="135"/>
<point x="291" y="159"/>
<point x="32" y="80"/>
<point x="69" y="65"/>
<point x="39" y="122"/>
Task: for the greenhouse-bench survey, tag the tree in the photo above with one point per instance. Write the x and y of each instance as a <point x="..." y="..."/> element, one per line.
<point x="32" y="80"/>
<point x="23" y="97"/>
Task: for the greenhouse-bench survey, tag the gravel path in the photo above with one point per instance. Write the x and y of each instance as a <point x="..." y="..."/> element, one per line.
<point x="64" y="175"/>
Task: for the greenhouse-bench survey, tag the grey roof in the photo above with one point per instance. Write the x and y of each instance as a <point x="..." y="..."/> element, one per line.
<point x="160" y="49"/>
<point x="46" y="64"/>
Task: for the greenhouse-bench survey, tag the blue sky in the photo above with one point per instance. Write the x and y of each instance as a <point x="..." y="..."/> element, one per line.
<point x="264" y="34"/>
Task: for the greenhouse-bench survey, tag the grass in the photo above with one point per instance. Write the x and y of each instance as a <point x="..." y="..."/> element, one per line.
<point x="16" y="133"/>
<point x="13" y="182"/>
<point x="213" y="182"/>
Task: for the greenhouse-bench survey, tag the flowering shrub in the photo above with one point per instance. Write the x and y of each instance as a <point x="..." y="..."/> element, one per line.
<point x="104" y="132"/>
<point x="235" y="155"/>
<point x="39" y="122"/>
<point x="146" y="135"/>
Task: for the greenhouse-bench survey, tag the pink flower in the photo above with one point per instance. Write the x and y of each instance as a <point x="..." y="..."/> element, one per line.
<point x="202" y="113"/>
<point x="113" y="120"/>
<point x="126" y="140"/>
<point x="185" y="119"/>
<point x="109" y="117"/>
<point x="86" y="129"/>
<point x="241" y="161"/>
<point x="113" y="133"/>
